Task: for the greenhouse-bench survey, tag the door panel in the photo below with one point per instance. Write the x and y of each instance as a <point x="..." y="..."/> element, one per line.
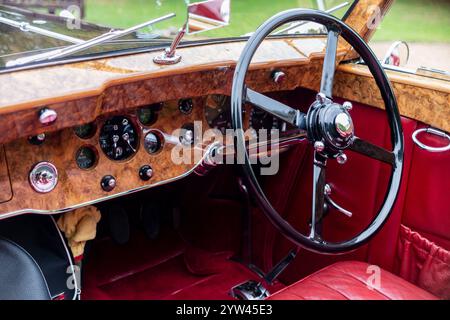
<point x="427" y="208"/>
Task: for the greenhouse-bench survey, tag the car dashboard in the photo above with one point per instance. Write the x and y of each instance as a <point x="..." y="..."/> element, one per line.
<point x="109" y="126"/>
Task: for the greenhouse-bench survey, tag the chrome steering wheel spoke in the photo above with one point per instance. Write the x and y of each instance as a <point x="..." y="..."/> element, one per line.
<point x="274" y="107"/>
<point x="318" y="198"/>
<point x="329" y="64"/>
<point x="372" y="151"/>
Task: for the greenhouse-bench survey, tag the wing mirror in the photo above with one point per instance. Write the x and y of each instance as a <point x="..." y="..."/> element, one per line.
<point x="397" y="54"/>
<point x="201" y="16"/>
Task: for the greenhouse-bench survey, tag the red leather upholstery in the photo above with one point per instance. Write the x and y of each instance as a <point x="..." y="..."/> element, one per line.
<point x="348" y="281"/>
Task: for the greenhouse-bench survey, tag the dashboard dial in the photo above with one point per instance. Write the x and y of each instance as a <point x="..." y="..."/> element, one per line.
<point x="218" y="112"/>
<point x="260" y="119"/>
<point x="85" y="131"/>
<point x="119" y="138"/>
<point x="86" y="157"/>
<point x="148" y="115"/>
<point x="153" y="142"/>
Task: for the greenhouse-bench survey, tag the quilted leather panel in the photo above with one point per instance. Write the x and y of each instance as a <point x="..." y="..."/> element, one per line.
<point x="348" y="281"/>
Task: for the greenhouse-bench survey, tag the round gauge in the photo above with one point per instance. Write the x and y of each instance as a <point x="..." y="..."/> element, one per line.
<point x="148" y="115"/>
<point x="218" y="112"/>
<point x="85" y="131"/>
<point x="86" y="157"/>
<point x="185" y="106"/>
<point x="153" y="142"/>
<point x="260" y="119"/>
<point x="118" y="138"/>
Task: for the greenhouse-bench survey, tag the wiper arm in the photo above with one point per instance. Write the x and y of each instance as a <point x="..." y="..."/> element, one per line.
<point x="63" y="52"/>
<point x="27" y="27"/>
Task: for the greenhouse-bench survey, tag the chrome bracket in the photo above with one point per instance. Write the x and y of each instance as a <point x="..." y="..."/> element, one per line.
<point x="169" y="56"/>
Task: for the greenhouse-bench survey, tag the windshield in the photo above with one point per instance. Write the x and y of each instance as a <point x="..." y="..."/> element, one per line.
<point x="26" y="30"/>
<point x="246" y="15"/>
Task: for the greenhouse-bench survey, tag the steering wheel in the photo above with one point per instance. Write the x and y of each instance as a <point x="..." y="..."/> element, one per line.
<point x="327" y="125"/>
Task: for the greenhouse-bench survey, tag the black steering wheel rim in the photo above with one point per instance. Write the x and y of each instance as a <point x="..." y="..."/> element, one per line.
<point x="238" y="97"/>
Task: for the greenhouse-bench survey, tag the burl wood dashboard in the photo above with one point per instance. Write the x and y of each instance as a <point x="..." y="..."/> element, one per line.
<point x="97" y="91"/>
<point x="80" y="176"/>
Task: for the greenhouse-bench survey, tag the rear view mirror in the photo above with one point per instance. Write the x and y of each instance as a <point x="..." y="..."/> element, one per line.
<point x="207" y="15"/>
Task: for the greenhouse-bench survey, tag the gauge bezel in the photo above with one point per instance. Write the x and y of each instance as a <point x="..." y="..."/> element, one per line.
<point x="33" y="171"/>
<point x="161" y="138"/>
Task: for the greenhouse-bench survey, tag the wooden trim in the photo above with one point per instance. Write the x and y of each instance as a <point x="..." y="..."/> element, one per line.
<point x="419" y="98"/>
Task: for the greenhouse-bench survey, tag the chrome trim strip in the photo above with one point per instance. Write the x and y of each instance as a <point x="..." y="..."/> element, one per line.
<point x="77" y="291"/>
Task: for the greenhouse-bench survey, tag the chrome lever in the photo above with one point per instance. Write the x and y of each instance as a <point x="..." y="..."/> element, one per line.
<point x="328" y="199"/>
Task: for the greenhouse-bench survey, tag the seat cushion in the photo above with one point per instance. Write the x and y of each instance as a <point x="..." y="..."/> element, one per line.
<point x="20" y="278"/>
<point x="349" y="281"/>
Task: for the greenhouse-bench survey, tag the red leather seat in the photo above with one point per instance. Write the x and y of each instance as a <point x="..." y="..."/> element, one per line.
<point x="348" y="281"/>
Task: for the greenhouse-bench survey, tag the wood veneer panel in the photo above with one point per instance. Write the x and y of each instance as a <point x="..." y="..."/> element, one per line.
<point x="420" y="98"/>
<point x="125" y="93"/>
<point x="77" y="186"/>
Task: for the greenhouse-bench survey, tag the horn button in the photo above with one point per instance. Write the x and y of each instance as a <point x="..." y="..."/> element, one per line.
<point x="331" y="124"/>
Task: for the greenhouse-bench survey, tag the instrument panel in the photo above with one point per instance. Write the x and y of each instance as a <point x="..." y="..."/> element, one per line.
<point x="114" y="155"/>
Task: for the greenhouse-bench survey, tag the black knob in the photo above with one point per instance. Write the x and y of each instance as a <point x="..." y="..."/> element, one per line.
<point x="185" y="106"/>
<point x="37" y="140"/>
<point x="146" y="173"/>
<point x="108" y="183"/>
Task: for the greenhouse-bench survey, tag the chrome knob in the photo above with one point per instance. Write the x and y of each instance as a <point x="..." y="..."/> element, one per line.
<point x="341" y="158"/>
<point x="348" y="105"/>
<point x="47" y="116"/>
<point x="187" y="137"/>
<point x="319" y="146"/>
<point x="43" y="177"/>
<point x="278" y="77"/>
<point x="327" y="189"/>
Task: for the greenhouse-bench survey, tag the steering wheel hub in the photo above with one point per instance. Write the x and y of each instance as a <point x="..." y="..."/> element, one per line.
<point x="331" y="124"/>
<point x="344" y="125"/>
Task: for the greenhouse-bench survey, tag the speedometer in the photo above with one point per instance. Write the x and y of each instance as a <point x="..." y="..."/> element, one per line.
<point x="119" y="138"/>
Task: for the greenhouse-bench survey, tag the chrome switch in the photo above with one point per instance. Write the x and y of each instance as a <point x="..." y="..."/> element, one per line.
<point x="47" y="116"/>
